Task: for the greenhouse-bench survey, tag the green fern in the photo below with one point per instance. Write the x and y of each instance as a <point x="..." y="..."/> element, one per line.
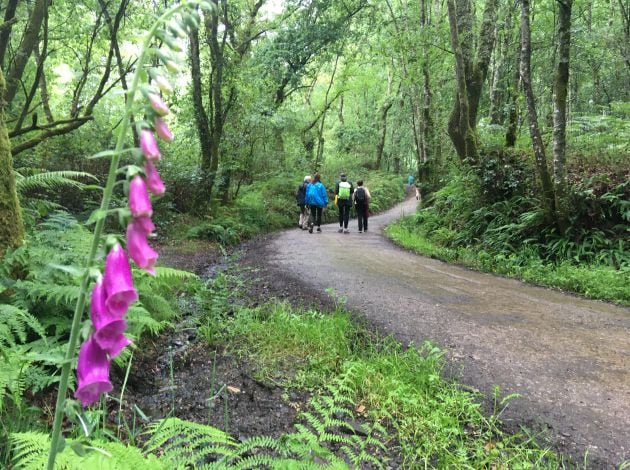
<point x="30" y="451"/>
<point x="15" y="326"/>
<point x="50" y="180"/>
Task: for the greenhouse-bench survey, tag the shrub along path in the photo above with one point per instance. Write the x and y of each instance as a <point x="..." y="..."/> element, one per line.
<point x="568" y="358"/>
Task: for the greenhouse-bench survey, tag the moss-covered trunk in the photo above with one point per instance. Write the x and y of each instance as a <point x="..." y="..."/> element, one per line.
<point x="11" y="226"/>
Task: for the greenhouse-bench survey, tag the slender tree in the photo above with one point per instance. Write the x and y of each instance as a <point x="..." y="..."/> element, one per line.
<point x="534" y="130"/>
<point x="560" y="112"/>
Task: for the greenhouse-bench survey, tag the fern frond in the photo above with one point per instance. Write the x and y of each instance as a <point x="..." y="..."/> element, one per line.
<point x="30" y="451"/>
<point x="59" y="295"/>
<point x="14" y="326"/>
<point x="183" y="443"/>
<point x="51" y="180"/>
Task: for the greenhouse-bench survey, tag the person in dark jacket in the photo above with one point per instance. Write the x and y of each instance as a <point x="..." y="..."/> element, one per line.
<point x="300" y="197"/>
<point x="316" y="199"/>
<point x="343" y="198"/>
<point x="361" y="198"/>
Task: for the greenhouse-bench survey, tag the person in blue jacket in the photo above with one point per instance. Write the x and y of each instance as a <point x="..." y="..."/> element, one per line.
<point x="316" y="199"/>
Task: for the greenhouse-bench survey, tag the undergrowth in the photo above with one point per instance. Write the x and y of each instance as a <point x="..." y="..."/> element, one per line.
<point x="426" y="420"/>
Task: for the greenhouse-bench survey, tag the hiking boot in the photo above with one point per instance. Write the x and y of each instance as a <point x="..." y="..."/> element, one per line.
<point x="319" y="229"/>
<point x="346" y="231"/>
<point x="310" y="230"/>
<point x="340" y="230"/>
<point x="360" y="231"/>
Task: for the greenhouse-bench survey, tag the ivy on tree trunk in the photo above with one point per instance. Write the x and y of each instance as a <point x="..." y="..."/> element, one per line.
<point x="11" y="226"/>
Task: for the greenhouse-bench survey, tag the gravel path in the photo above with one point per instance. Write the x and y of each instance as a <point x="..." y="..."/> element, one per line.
<point x="568" y="358"/>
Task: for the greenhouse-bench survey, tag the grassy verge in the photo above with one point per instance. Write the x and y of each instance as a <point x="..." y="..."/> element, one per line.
<point x="423" y="420"/>
<point x="593" y="281"/>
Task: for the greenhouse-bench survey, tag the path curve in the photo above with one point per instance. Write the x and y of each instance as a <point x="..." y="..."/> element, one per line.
<point x="568" y="357"/>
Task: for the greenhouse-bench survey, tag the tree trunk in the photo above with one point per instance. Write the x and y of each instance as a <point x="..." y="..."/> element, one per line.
<point x="380" y="145"/>
<point x="459" y="125"/>
<point x="22" y="55"/>
<point x="201" y="118"/>
<point x="534" y="130"/>
<point x="511" y="131"/>
<point x="427" y="130"/>
<point x="5" y="34"/>
<point x="470" y="75"/>
<point x="560" y="114"/>
<point x="11" y="226"/>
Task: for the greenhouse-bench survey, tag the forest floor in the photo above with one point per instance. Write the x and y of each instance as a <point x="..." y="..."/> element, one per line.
<point x="568" y="358"/>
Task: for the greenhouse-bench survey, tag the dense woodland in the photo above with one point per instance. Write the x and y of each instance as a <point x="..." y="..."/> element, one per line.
<point x="513" y="116"/>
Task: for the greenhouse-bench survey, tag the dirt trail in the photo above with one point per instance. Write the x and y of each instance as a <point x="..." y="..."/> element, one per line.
<point x="568" y="357"/>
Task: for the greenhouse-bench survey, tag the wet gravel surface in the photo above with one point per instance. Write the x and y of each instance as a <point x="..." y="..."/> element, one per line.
<point x="567" y="357"/>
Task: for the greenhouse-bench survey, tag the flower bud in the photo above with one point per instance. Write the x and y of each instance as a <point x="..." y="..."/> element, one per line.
<point x="158" y="105"/>
<point x="162" y="130"/>
<point x="153" y="181"/>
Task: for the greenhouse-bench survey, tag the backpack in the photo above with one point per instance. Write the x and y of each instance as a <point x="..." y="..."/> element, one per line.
<point x="359" y="195"/>
<point x="301" y="193"/>
<point x="344" y="190"/>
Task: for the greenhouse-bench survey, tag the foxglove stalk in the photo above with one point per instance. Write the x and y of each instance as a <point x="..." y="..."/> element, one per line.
<point x="154" y="182"/>
<point x="139" y="202"/>
<point x="162" y="130"/>
<point x="148" y="145"/>
<point x="92" y="373"/>
<point x="139" y="250"/>
<point x="118" y="283"/>
<point x="93" y="363"/>
<point x="158" y="105"/>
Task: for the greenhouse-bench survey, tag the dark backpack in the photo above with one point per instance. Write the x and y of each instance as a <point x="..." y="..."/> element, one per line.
<point x="359" y="195"/>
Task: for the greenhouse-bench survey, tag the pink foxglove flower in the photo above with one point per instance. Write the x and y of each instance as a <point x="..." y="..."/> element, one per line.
<point x="92" y="373"/>
<point x="148" y="145"/>
<point x="158" y="105"/>
<point x="139" y="202"/>
<point x="154" y="182"/>
<point x="146" y="224"/>
<point x="109" y="327"/>
<point x="139" y="250"/>
<point x="117" y="282"/>
<point x="111" y="339"/>
<point x="162" y="130"/>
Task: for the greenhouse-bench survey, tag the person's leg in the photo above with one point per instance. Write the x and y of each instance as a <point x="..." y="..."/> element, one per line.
<point x="319" y="218"/>
<point x="360" y="210"/>
<point x="346" y="215"/>
<point x="340" y="207"/>
<point x="311" y="219"/>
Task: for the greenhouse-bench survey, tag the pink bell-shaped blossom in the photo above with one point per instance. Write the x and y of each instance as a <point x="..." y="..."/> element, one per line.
<point x="139" y="250"/>
<point x="111" y="339"/>
<point x="148" y="145"/>
<point x="117" y="282"/>
<point x="153" y="182"/>
<point x="145" y="223"/>
<point x="158" y="104"/>
<point x="139" y="202"/>
<point x="162" y="130"/>
<point x="92" y="373"/>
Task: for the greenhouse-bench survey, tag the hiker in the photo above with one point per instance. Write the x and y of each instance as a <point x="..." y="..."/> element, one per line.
<point x="300" y="197"/>
<point x="316" y="199"/>
<point x="410" y="181"/>
<point x="343" y="199"/>
<point x="361" y="198"/>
